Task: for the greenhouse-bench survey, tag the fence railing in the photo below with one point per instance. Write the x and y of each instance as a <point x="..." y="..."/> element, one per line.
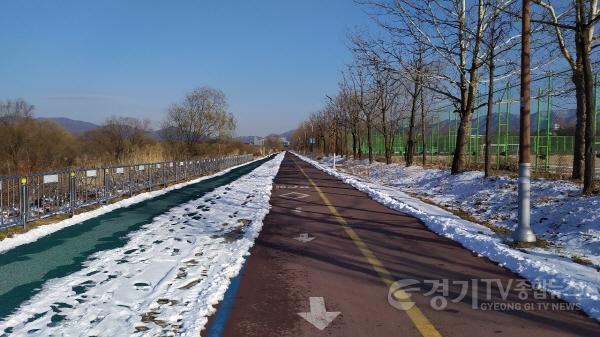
<point x="28" y="198"/>
<point x="553" y="117"/>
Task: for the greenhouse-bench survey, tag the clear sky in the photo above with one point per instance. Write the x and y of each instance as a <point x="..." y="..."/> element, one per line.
<point x="88" y="60"/>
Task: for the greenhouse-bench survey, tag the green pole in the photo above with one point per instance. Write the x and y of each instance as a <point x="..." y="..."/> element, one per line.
<point x="537" y="140"/>
<point x="477" y="138"/>
<point x="437" y="142"/>
<point x="549" y="117"/>
<point x="449" y="131"/>
<point x="431" y="135"/>
<point x="595" y="107"/>
<point x="506" y="134"/>
<point x="454" y="133"/>
<point x="498" y="134"/>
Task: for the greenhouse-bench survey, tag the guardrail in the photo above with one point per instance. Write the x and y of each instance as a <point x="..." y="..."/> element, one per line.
<point x="28" y="198"/>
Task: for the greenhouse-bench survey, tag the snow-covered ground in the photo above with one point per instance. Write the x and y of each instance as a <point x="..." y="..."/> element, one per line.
<point x="560" y="214"/>
<point x="41" y="231"/>
<point x="166" y="279"/>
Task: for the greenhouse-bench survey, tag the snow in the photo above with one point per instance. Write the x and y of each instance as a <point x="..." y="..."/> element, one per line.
<point x="41" y="231"/>
<point x="560" y="215"/>
<point x="166" y="279"/>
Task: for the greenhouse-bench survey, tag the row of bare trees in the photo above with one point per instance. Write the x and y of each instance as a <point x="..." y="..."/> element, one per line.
<point x="431" y="53"/>
<point x="199" y="125"/>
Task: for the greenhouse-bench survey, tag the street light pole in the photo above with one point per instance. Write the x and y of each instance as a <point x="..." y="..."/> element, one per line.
<point x="523" y="232"/>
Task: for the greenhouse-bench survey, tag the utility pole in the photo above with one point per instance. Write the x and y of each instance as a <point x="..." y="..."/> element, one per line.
<point x="523" y="232"/>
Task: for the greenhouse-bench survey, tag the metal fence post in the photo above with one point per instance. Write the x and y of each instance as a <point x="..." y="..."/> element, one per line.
<point x="129" y="180"/>
<point x="106" y="184"/>
<point x="72" y="191"/>
<point x="1" y="204"/>
<point x="149" y="177"/>
<point x="24" y="202"/>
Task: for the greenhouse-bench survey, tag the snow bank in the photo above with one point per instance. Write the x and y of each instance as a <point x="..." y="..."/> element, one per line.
<point x="568" y="280"/>
<point x="166" y="279"/>
<point x="559" y="214"/>
<point x="41" y="231"/>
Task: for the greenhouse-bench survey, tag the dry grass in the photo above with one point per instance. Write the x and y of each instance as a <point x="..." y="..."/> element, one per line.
<point x="539" y="243"/>
<point x="11" y="231"/>
<point x="581" y="260"/>
<point x="461" y="213"/>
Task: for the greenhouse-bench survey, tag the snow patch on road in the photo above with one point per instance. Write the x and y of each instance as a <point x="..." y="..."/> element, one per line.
<point x="41" y="231"/>
<point x="558" y="275"/>
<point x="166" y="279"/>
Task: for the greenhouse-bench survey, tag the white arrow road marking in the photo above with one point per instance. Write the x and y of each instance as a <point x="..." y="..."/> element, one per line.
<point x="304" y="238"/>
<point x="297" y="210"/>
<point x="318" y="316"/>
<point x="294" y="195"/>
<point x="290" y="187"/>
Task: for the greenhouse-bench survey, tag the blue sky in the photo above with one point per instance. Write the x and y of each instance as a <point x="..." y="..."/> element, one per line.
<point x="88" y="60"/>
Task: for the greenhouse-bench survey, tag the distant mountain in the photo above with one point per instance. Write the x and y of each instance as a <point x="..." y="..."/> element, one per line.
<point x="158" y="134"/>
<point x="253" y="139"/>
<point x="72" y="125"/>
<point x="248" y="139"/>
<point x="288" y="134"/>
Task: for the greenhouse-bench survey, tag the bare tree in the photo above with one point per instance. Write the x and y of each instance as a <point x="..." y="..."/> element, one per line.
<point x="414" y="74"/>
<point x="454" y="33"/>
<point x="578" y="18"/>
<point x="364" y="99"/>
<point x="119" y="138"/>
<point x="351" y="107"/>
<point x="11" y="111"/>
<point x="385" y="92"/>
<point x="497" y="41"/>
<point x="201" y="116"/>
<point x="423" y="128"/>
<point x="30" y="145"/>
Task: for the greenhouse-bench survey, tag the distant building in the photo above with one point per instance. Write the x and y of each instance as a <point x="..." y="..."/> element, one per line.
<point x="258" y="141"/>
<point x="284" y="141"/>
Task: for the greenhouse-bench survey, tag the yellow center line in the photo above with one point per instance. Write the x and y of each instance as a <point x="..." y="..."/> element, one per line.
<point x="421" y="322"/>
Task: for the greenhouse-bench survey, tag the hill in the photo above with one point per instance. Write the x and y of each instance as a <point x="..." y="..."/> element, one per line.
<point x="72" y="125"/>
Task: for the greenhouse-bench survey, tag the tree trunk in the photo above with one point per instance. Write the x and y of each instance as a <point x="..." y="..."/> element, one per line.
<point x="385" y="131"/>
<point x="580" y="130"/>
<point x="386" y="149"/>
<point x="424" y="143"/>
<point x="354" y="145"/>
<point x="462" y="139"/>
<point x="369" y="141"/>
<point x="590" y="152"/>
<point x="488" y="119"/>
<point x="410" y="143"/>
<point x="359" y="144"/>
<point x="468" y="91"/>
